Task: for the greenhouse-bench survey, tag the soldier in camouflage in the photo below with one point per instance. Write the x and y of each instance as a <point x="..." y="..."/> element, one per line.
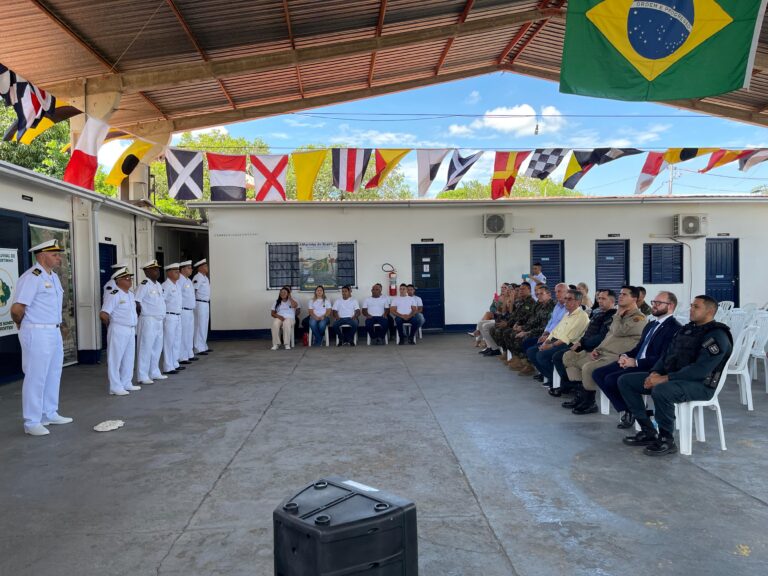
<point x="532" y="329"/>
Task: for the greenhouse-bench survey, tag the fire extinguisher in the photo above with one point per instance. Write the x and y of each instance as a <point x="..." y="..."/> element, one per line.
<point x="392" y="277"/>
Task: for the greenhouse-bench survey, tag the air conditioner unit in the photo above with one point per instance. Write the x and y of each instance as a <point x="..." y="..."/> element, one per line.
<point x="495" y="225"/>
<point x="690" y="225"/>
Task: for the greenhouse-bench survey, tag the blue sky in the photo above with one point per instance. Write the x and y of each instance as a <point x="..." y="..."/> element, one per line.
<point x="563" y="121"/>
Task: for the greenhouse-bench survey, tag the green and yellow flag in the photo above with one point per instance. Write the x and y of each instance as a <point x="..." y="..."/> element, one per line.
<point x="659" y="50"/>
<point x="306" y="165"/>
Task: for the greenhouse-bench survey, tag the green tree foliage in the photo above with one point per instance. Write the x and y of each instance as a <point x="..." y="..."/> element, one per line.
<point x="524" y="188"/>
<point x="761" y="190"/>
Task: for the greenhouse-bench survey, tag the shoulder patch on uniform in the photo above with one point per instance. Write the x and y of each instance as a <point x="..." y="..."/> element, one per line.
<point x="113" y="292"/>
<point x="144" y="281"/>
<point x="712" y="346"/>
<point x="636" y="319"/>
<point x="194" y="281"/>
<point x="36" y="272"/>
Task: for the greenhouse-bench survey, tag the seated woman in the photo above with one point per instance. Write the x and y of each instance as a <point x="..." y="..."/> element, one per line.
<point x="490" y="315"/>
<point x="319" y="309"/>
<point x="284" y="313"/>
<point x="586" y="301"/>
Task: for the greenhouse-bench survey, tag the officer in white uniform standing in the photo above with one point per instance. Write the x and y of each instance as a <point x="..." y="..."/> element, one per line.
<point x="172" y="323"/>
<point x="119" y="315"/>
<point x="202" y="311"/>
<point x="188" y="304"/>
<point x="36" y="310"/>
<point x="151" y="307"/>
<point x="110" y="285"/>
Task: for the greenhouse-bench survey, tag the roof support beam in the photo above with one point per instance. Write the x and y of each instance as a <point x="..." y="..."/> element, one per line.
<point x="293" y="45"/>
<point x="522" y="32"/>
<point x="179" y="75"/>
<point x="379" y="27"/>
<point x="196" y="44"/>
<point x="260" y="111"/>
<point x="449" y="43"/>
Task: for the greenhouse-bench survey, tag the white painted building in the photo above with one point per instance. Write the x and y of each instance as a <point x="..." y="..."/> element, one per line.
<point x="622" y="235"/>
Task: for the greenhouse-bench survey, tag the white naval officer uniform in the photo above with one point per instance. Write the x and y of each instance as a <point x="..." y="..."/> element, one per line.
<point x="150" y="295"/>
<point x="110" y="285"/>
<point x="172" y="324"/>
<point x="202" y="310"/>
<point x="42" y="348"/>
<point x="121" y="340"/>
<point x="188" y="304"/>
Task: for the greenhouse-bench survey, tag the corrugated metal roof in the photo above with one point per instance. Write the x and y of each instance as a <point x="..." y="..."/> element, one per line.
<point x="65" y="40"/>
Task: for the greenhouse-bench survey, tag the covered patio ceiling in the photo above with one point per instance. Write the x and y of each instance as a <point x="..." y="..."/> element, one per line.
<point x="187" y="64"/>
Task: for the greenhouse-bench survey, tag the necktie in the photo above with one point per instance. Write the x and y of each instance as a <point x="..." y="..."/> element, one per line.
<point x="647" y="340"/>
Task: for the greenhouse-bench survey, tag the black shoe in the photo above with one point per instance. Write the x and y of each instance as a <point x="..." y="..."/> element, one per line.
<point x="483" y="351"/>
<point x="209" y="350"/>
<point x="663" y="445"/>
<point x="180" y="367"/>
<point x="351" y="344"/>
<point x="627" y="420"/>
<point x="584" y="408"/>
<point x="194" y="359"/>
<point x="402" y="342"/>
<point x="642" y="438"/>
<point x="171" y="372"/>
<point x="412" y="341"/>
<point x="556" y="392"/>
<point x="539" y="377"/>
<point x="489" y="352"/>
<point x="339" y="344"/>
<point x="202" y="353"/>
<point x="184" y="362"/>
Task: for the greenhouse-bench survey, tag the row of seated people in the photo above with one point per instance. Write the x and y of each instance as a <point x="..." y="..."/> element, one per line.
<point x="382" y="314"/>
<point x="615" y="349"/>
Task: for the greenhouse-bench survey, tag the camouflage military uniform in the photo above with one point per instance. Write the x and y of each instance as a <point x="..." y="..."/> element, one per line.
<point x="538" y="320"/>
<point x="522" y="313"/>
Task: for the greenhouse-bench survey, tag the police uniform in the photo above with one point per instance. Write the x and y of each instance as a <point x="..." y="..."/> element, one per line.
<point x="120" y="305"/>
<point x="42" y="349"/>
<point x="172" y="323"/>
<point x="693" y="363"/>
<point x="202" y="310"/>
<point x="188" y="304"/>
<point x="150" y="296"/>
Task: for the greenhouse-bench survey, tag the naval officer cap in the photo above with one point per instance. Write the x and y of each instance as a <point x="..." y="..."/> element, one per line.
<point x="151" y="264"/>
<point x="118" y="266"/>
<point x="200" y="262"/>
<point x="47" y="246"/>
<point x="174" y="266"/>
<point x="122" y="273"/>
<point x="185" y="263"/>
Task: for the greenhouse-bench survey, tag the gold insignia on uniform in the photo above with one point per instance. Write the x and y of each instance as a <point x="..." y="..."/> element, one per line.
<point x="637" y="319"/>
<point x="37" y="272"/>
<point x="114" y="292"/>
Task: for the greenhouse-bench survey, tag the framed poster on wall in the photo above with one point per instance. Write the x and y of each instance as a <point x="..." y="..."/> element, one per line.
<point x="318" y="265"/>
<point x="9" y="275"/>
<point x="40" y="234"/>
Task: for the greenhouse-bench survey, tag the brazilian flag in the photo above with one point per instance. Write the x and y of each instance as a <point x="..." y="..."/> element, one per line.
<point x="659" y="50"/>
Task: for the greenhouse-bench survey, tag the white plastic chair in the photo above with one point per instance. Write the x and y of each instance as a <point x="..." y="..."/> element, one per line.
<point x="758" y="349"/>
<point x="725" y="305"/>
<point x="737" y="320"/>
<point x="386" y="333"/>
<point x="748" y="307"/>
<point x="604" y="403"/>
<point x="397" y="334"/>
<point x="343" y="327"/>
<point x="738" y="364"/>
<point x="326" y="337"/>
<point x="555" y="379"/>
<point x="686" y="420"/>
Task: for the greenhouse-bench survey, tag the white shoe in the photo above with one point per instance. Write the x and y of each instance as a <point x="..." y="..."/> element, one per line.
<point x="56" y="420"/>
<point x="275" y="347"/>
<point x="132" y="388"/>
<point x="287" y="347"/>
<point x="119" y="393"/>
<point x="36" y="430"/>
<point x="160" y="377"/>
<point x="146" y="382"/>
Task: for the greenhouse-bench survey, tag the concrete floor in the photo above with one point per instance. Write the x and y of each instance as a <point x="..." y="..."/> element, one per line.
<point x="505" y="481"/>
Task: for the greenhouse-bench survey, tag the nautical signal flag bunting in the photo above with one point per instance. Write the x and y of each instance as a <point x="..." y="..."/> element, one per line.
<point x="659" y="50"/>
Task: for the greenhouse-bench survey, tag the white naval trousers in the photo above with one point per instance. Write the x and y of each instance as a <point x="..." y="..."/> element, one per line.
<point x="202" y="311"/>
<point x="150" y="347"/>
<point x="42" y="358"/>
<point x="171" y="341"/>
<point x="121" y="351"/>
<point x="187" y="334"/>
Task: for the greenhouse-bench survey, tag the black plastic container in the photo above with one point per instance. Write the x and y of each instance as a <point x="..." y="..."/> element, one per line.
<point x="339" y="527"/>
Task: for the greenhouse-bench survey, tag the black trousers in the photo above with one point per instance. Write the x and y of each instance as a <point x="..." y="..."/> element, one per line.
<point x="665" y="396"/>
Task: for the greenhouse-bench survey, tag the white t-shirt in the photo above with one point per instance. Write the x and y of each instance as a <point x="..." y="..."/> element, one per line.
<point x="346" y="308"/>
<point x="540" y="277"/>
<point x="417" y="301"/>
<point x="319" y="306"/>
<point x="403" y="304"/>
<point x="376" y="306"/>
<point x="285" y="309"/>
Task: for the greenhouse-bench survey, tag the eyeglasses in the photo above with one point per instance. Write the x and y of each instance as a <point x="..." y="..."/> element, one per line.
<point x="569" y="298"/>
<point x="659" y="303"/>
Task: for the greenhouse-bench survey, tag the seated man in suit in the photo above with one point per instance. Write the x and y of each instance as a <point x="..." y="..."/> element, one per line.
<point x="654" y="341"/>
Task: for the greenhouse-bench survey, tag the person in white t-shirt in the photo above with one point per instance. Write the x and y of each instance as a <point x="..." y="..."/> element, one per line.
<point x="535" y="278"/>
<point x="345" y="312"/>
<point x="375" y="310"/>
<point x="418" y="318"/>
<point x="403" y="309"/>
<point x="319" y="308"/>
<point x="284" y="314"/>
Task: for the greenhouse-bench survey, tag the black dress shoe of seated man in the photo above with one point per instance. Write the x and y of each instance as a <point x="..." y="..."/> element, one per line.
<point x="627" y="420"/>
<point x="488" y="352"/>
<point x="483" y="351"/>
<point x="642" y="438"/>
<point x="538" y="377"/>
<point x="665" y="444"/>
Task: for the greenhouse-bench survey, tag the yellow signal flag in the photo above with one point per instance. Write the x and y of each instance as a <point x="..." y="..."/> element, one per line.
<point x="306" y="166"/>
<point x="128" y="161"/>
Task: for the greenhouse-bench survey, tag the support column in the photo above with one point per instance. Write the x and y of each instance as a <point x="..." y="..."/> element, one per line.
<point x="85" y="241"/>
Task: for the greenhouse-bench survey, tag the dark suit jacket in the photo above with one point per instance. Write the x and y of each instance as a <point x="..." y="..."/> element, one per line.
<point x="659" y="342"/>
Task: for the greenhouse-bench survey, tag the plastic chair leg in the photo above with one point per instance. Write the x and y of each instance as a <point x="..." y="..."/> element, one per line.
<point x="698" y="420"/>
<point x="746" y="382"/>
<point x="605" y="404"/>
<point x="686" y="424"/>
<point x="555" y="379"/>
<point x="720" y="428"/>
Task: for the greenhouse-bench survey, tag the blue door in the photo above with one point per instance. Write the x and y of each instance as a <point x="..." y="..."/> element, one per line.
<point x="427" y="274"/>
<point x="550" y="253"/>
<point x="722" y="274"/>
<point x="107" y="258"/>
<point x="611" y="264"/>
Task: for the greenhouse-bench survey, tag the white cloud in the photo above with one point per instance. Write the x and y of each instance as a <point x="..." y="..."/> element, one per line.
<point x="460" y="130"/>
<point x="279" y="135"/>
<point x="473" y="98"/>
<point x="376" y="138"/>
<point x="111" y="151"/>
<point x="220" y="129"/>
<point x="300" y="124"/>
<point x="520" y="120"/>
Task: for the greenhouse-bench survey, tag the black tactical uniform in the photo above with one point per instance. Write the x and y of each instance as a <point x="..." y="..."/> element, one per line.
<point x="693" y="362"/>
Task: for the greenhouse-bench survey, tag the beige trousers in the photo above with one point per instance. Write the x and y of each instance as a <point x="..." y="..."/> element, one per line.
<point x="287" y="329"/>
<point x="579" y="366"/>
